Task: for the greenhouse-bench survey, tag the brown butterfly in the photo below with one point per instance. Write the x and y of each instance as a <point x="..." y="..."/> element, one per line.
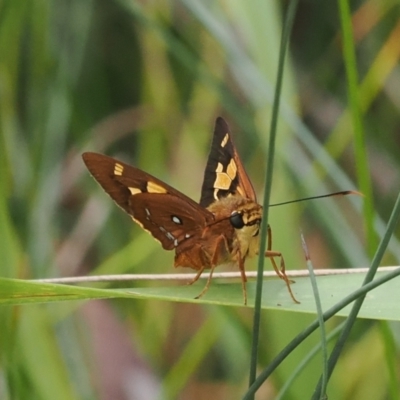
<point x="223" y="228"/>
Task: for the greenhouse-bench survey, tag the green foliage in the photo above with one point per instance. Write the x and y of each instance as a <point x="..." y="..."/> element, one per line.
<point x="144" y="82"/>
<point x="382" y="303"/>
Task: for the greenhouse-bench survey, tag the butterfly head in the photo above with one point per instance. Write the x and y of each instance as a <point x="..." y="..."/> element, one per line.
<point x="244" y="215"/>
<point x="247" y="218"/>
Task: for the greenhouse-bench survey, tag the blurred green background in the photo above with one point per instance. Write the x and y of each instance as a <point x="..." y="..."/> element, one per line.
<point x="143" y="81"/>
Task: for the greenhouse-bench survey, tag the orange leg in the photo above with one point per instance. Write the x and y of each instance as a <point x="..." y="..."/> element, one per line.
<point x="220" y="247"/>
<point x="196" y="278"/>
<point x="279" y="271"/>
<point x="243" y="276"/>
<point x="240" y="259"/>
<point x="207" y="284"/>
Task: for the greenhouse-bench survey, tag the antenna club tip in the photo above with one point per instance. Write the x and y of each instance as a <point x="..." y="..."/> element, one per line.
<point x="355" y="192"/>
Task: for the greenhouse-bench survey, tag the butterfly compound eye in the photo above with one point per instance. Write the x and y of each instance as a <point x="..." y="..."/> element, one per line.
<point x="237" y="220"/>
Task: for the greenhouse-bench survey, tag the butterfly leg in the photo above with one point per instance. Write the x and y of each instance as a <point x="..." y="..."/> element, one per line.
<point x="271" y="254"/>
<point x="243" y="277"/>
<point x="196" y="278"/>
<point x="204" y="262"/>
<point x="221" y="246"/>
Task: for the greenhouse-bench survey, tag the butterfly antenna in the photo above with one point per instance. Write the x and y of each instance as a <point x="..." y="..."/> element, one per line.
<point x="342" y="193"/>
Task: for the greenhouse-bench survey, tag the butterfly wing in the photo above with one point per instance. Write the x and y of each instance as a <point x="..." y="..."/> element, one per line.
<point x="224" y="173"/>
<point x="167" y="214"/>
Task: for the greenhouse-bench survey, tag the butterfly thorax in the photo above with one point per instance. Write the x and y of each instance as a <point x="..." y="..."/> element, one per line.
<point x="244" y="217"/>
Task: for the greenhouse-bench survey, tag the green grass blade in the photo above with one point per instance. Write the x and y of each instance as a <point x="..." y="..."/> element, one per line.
<point x="286" y="30"/>
<point x="313" y="280"/>
<point x="362" y="166"/>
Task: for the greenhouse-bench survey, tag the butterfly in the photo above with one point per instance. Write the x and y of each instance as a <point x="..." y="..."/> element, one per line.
<point x="223" y="228"/>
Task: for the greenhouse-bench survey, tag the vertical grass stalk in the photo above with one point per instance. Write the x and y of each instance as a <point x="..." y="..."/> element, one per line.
<point x="286" y="29"/>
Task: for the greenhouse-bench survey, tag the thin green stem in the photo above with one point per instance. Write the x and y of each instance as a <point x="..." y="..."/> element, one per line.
<point x="363" y="176"/>
<point x="324" y="378"/>
<point x="287" y="27"/>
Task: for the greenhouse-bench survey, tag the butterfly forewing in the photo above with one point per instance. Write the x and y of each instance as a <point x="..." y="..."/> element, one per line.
<point x="169" y="215"/>
<point x="224" y="173"/>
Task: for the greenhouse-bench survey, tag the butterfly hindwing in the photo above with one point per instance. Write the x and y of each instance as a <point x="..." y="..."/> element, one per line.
<point x="224" y="173"/>
<point x="169" y="215"/>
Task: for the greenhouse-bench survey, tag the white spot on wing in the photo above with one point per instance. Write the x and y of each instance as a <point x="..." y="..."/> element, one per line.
<point x="176" y="219"/>
<point x="216" y="194"/>
<point x="170" y="236"/>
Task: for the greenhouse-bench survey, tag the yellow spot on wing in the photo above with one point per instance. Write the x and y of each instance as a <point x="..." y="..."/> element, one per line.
<point x="222" y="181"/>
<point x="225" y="140"/>
<point x="134" y="190"/>
<point x="232" y="169"/>
<point x="118" y="169"/>
<point x="155" y="188"/>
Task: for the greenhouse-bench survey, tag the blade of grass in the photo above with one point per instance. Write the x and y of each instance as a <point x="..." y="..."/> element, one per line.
<point x="383" y="304"/>
<point x="363" y="177"/>
<point x="324" y="378"/>
<point x="286" y="29"/>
